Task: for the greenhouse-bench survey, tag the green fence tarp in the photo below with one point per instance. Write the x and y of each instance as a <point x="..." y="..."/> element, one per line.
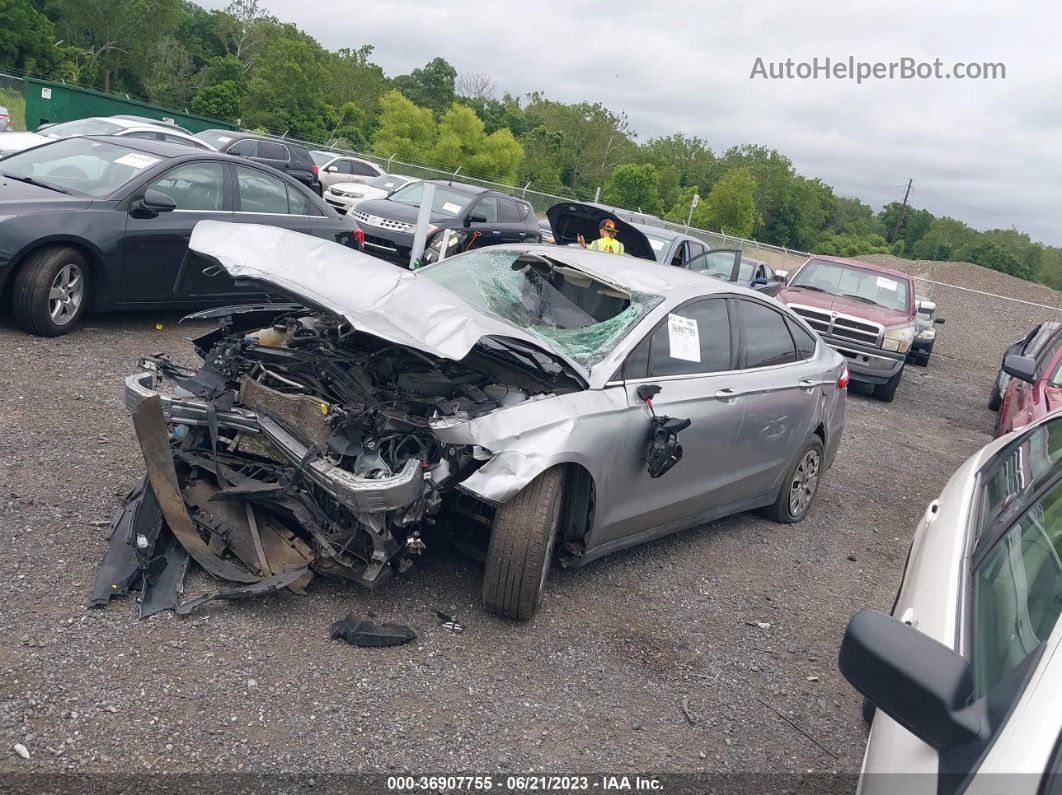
<point x="56" y="102"/>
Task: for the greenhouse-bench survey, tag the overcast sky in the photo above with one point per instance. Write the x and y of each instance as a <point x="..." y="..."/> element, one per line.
<point x="984" y="151"/>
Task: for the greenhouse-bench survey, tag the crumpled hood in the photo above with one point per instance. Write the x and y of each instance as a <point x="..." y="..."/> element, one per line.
<point x="847" y="306"/>
<point x="374" y="296"/>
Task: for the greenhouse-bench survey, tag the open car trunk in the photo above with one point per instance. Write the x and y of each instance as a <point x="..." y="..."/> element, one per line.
<point x="568" y="220"/>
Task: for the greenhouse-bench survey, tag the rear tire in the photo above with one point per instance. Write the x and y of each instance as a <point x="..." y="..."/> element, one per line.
<point x="887" y="391"/>
<point x="800" y="486"/>
<point x="522" y="539"/>
<point x="51" y="291"/>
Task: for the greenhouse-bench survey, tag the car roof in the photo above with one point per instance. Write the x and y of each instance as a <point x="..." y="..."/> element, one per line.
<point x="151" y="122"/>
<point x="160" y="148"/>
<point x="645" y="229"/>
<point x="240" y="135"/>
<point x="858" y="263"/>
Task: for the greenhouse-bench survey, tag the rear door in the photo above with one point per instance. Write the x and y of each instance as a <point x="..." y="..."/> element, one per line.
<point x="690" y="355"/>
<point x="155" y="247"/>
<point x="512" y="217"/>
<point x="780" y="390"/>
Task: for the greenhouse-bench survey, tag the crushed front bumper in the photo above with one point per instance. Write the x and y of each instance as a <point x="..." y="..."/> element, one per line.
<point x="359" y="495"/>
<point x="866" y="364"/>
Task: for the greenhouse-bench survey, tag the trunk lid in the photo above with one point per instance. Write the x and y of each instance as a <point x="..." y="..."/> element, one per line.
<point x="568" y="220"/>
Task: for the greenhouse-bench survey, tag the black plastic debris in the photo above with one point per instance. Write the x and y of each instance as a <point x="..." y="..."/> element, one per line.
<point x="450" y="624"/>
<point x="359" y="632"/>
<point x="267" y="585"/>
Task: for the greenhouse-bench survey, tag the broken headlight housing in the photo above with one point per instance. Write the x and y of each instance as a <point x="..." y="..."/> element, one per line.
<point x="899" y="339"/>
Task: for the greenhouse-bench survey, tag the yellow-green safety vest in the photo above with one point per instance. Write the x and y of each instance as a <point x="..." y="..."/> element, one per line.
<point x="607" y="244"/>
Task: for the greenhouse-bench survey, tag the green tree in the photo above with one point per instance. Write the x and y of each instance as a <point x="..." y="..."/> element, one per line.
<point x="27" y="38"/>
<point x="983" y="251"/>
<point x="691" y="157"/>
<point x="851" y="245"/>
<point x="462" y="142"/>
<point x="403" y="130"/>
<point x="633" y="186"/>
<point x="730" y="205"/>
<point x="943" y="238"/>
<point x="431" y="86"/>
<point x="914" y="225"/>
<point x="285" y="93"/>
<point x="540" y="166"/>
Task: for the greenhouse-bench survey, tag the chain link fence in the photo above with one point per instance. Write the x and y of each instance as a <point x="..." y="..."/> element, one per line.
<point x="13" y="97"/>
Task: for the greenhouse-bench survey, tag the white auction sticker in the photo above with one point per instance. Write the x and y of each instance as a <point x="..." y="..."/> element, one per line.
<point x="136" y="160"/>
<point x="887" y="284"/>
<point x="684" y="340"/>
<point x="450" y="207"/>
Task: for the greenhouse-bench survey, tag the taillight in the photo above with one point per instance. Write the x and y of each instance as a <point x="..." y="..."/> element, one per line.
<point x="315" y="169"/>
<point x="842" y="379"/>
<point x="359" y="235"/>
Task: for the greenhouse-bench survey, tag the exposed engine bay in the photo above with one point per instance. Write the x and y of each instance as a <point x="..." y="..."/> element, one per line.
<point x="303" y="447"/>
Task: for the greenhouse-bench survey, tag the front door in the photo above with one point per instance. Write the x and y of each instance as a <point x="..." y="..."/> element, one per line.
<point x="156" y="244"/>
<point x="690" y="357"/>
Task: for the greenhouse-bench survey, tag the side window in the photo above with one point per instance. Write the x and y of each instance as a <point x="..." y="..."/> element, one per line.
<point x="176" y="139"/>
<point x="261" y="193"/>
<point x="298" y="204"/>
<point x="1017" y="591"/>
<point x="194" y="186"/>
<point x="805" y="341"/>
<point x="637" y="364"/>
<point x="145" y="134"/>
<point x="767" y="339"/>
<point x="509" y="212"/>
<point x="245" y="148"/>
<point x="341" y="166"/>
<point x="361" y="169"/>
<point x="680" y="255"/>
<point x="267" y="150"/>
<point x="695" y="249"/>
<point x="693" y="339"/>
<point x="488" y="208"/>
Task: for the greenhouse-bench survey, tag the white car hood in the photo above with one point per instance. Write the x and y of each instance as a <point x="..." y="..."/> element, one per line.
<point x="374" y="296"/>
<point x="17" y="141"/>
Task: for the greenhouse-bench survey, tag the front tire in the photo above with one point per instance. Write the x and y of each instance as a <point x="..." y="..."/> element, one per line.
<point x="51" y="291"/>
<point x="522" y="539"/>
<point x="887" y="392"/>
<point x="800" y="486"/>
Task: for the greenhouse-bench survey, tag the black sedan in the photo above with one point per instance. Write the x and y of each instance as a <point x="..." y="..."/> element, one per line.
<point x="481" y="217"/>
<point x="101" y="223"/>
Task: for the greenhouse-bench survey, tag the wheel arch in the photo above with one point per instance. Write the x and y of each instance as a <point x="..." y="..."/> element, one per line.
<point x="93" y="257"/>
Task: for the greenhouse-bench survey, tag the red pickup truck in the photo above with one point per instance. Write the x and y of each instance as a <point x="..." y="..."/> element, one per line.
<point x="863" y="311"/>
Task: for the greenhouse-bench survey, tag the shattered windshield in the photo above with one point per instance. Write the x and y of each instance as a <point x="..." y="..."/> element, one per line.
<point x="572" y="312"/>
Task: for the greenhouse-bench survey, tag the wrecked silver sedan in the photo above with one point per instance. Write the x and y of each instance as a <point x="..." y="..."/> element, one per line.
<point x="562" y="403"/>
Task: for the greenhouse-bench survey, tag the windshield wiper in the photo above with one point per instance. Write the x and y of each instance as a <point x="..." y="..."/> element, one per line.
<point x="811" y="287"/>
<point x="38" y="183"/>
<point x="862" y="298"/>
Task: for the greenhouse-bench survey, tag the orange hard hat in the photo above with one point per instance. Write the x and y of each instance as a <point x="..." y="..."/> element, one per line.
<point x="608" y="224"/>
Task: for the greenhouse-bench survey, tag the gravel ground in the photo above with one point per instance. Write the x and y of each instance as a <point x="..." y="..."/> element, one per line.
<point x="596" y="683"/>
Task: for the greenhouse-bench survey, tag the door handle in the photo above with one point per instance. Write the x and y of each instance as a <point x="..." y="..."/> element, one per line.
<point x="726" y="394"/>
<point x="495" y="231"/>
<point x="807" y="383"/>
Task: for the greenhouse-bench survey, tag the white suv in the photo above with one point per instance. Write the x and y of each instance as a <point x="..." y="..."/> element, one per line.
<point x="964" y="681"/>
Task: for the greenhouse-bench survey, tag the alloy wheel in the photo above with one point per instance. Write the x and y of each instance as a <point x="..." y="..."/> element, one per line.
<point x="66" y="294"/>
<point x="805" y="482"/>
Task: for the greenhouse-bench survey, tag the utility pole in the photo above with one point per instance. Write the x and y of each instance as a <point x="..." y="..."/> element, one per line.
<point x="899" y="217"/>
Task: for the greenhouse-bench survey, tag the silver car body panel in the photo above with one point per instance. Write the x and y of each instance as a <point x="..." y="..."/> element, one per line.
<point x="931" y="598"/>
<point x="736" y="452"/>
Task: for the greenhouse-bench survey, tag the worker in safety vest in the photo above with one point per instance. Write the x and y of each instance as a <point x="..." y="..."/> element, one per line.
<point x="607" y="242"/>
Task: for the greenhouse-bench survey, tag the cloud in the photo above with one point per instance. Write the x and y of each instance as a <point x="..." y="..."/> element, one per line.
<point x="981" y="151"/>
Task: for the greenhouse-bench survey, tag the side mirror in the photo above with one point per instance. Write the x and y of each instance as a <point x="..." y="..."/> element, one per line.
<point x="1021" y="367"/>
<point x="923" y="685"/>
<point x="781" y="276"/>
<point x="154" y="202"/>
<point x="332" y="169"/>
<point x="475" y="218"/>
<point x="760" y="281"/>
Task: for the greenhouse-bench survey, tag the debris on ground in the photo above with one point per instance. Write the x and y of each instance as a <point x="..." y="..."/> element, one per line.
<point x="361" y="632"/>
<point x="22" y="750"/>
<point x="449" y="623"/>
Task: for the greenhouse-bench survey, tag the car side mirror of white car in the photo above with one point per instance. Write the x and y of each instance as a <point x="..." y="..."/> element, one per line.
<point x="921" y="684"/>
<point x="1021" y="367"/>
<point x="781" y="276"/>
<point x="332" y="169"/>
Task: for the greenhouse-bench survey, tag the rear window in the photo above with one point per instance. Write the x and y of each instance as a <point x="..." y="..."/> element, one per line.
<point x="448" y="201"/>
<point x="268" y="150"/>
<point x="83" y="127"/>
<point x="219" y="139"/>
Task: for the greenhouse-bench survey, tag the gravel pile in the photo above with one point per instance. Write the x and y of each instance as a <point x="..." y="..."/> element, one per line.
<point x="675" y="656"/>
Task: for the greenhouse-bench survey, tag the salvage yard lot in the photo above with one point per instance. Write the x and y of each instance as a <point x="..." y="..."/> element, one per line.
<point x="601" y="680"/>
